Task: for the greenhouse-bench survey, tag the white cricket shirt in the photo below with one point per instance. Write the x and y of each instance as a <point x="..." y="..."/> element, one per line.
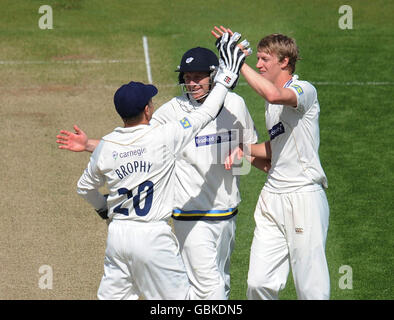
<point x="203" y="188"/>
<point x="295" y="139"/>
<point x="137" y="163"/>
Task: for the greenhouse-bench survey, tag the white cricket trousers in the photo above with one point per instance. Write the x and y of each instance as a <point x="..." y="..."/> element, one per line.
<point x="206" y="248"/>
<point x="291" y="230"/>
<point x="142" y="260"/>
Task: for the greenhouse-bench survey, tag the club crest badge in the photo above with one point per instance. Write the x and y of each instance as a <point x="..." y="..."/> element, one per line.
<point x="185" y="123"/>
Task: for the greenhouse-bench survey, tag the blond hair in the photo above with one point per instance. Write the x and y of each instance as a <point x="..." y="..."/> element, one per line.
<point x="281" y="45"/>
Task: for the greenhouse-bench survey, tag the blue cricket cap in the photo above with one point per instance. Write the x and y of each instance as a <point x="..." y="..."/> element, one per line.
<point x="130" y="99"/>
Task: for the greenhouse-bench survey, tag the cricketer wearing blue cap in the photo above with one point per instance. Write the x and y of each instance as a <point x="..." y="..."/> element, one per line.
<point x="131" y="99"/>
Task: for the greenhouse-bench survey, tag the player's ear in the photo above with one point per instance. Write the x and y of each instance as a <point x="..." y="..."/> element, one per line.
<point x="284" y="63"/>
<point x="150" y="106"/>
<point x="148" y="110"/>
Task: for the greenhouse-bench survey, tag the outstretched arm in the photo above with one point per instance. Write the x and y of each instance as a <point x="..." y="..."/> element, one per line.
<point x="260" y="150"/>
<point x="259" y="155"/>
<point x="77" y="141"/>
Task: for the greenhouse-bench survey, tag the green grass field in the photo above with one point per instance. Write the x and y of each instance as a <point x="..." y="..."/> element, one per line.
<point x="51" y="79"/>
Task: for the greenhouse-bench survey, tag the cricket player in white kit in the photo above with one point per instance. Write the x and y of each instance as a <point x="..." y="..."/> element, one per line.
<point x="292" y="213"/>
<point x="137" y="162"/>
<point x="206" y="195"/>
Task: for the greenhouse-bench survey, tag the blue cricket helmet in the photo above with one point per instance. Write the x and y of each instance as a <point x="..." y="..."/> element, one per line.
<point x="197" y="60"/>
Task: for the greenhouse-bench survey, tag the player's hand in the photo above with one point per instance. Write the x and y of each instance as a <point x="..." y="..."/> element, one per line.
<point x="267" y="165"/>
<point x="218" y="33"/>
<point x="237" y="153"/>
<point x="261" y="164"/>
<point x="76" y="142"/>
<point x="103" y="212"/>
<point x="231" y="60"/>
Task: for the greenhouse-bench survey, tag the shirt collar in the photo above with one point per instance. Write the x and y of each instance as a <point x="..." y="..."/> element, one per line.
<point x="288" y="83"/>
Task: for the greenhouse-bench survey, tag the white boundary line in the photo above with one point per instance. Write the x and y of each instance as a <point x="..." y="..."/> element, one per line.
<point x="352" y="83"/>
<point x="344" y="83"/>
<point x="147" y="61"/>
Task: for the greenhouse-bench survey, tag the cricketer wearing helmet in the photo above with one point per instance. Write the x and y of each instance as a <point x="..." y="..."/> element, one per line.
<point x="206" y="194"/>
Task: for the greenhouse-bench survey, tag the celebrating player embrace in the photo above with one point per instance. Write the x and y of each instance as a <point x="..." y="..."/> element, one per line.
<point x="137" y="162"/>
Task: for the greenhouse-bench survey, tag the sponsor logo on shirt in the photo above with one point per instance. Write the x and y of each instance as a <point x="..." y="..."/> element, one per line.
<point x="136" y="153"/>
<point x="185" y="123"/>
<point x="215" y="138"/>
<point x="276" y="130"/>
<point x="131" y="153"/>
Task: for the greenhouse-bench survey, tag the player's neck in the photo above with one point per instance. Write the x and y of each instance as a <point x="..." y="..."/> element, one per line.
<point x="282" y="79"/>
<point x="199" y="101"/>
<point x="133" y="123"/>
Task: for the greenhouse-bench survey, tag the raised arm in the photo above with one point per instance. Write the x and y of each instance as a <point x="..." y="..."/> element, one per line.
<point x="265" y="88"/>
<point x="77" y="141"/>
<point x="231" y="60"/>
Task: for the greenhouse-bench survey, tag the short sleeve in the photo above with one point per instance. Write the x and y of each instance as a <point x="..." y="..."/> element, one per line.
<point x="306" y="95"/>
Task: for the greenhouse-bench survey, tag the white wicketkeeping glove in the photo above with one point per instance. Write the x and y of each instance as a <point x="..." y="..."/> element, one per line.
<point x="225" y="76"/>
<point x="231" y="59"/>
